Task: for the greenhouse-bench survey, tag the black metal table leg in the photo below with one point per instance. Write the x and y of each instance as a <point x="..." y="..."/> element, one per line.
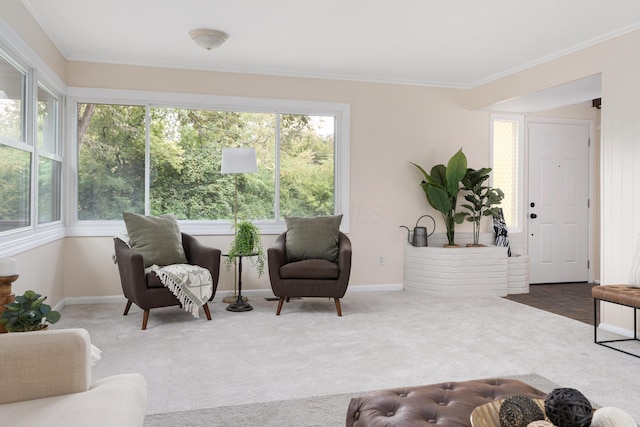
<point x="239" y="305"/>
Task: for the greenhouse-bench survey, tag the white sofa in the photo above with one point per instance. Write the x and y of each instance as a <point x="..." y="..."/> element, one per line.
<point x="46" y="380"/>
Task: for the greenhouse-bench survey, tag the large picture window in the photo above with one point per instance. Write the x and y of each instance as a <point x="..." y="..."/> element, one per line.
<point x="156" y="159"/>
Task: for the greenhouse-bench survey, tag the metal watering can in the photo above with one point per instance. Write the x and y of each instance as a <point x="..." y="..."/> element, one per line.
<point x="419" y="235"/>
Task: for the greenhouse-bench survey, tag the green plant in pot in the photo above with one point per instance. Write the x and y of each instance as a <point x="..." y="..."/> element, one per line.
<point x="247" y="242"/>
<point x="442" y="186"/>
<point x="28" y="313"/>
<point x="481" y="198"/>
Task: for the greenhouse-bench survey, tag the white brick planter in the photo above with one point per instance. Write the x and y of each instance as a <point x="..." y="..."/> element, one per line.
<point x="518" y="275"/>
<point x="465" y="271"/>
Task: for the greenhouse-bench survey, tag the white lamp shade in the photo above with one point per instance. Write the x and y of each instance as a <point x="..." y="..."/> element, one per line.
<point x="8" y="267"/>
<point x="239" y="160"/>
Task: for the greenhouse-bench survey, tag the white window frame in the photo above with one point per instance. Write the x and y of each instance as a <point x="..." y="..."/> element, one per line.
<point x="55" y="156"/>
<point x="519" y="120"/>
<point x="16" y="241"/>
<point x="340" y="111"/>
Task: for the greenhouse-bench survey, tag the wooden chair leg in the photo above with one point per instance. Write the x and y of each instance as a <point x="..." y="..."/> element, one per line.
<point x="280" y="302"/>
<point x="126" y="309"/>
<point x="206" y="311"/>
<point x="337" y="300"/>
<point x="145" y="319"/>
<point x="288" y="299"/>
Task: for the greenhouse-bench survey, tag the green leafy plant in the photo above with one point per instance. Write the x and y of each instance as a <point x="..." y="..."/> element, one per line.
<point x="441" y="187"/>
<point x="247" y="242"/>
<point x="481" y="199"/>
<point x="28" y="313"/>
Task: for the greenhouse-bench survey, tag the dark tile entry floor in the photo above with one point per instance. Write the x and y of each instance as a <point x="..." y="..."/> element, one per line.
<point x="571" y="300"/>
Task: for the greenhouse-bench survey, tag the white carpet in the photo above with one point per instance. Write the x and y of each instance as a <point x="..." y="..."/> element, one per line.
<point x="383" y="340"/>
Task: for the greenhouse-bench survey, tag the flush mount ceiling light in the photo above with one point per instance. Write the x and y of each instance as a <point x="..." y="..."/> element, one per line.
<point x="208" y="39"/>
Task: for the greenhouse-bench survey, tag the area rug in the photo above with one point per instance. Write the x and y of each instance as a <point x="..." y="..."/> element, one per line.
<point x="320" y="411"/>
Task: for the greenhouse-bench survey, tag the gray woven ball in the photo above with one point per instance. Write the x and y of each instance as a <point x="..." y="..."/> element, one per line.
<point x="567" y="407"/>
<point x="519" y="411"/>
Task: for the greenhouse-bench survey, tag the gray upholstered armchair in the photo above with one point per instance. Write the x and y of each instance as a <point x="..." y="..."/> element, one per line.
<point x="146" y="290"/>
<point x="309" y="277"/>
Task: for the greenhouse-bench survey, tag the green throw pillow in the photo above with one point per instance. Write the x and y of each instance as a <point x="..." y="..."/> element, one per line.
<point x="156" y="238"/>
<point x="313" y="237"/>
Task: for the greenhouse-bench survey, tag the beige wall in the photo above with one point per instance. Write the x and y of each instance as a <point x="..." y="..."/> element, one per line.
<point x="583" y="63"/>
<point x="21" y="22"/>
<point x="390" y="125"/>
<point x="42" y="270"/>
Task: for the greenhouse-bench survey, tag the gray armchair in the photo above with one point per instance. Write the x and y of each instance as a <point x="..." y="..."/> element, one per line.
<point x="309" y="277"/>
<point x="146" y="290"/>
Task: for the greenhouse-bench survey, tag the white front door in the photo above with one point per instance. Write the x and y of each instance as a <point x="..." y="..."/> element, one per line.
<point x="558" y="211"/>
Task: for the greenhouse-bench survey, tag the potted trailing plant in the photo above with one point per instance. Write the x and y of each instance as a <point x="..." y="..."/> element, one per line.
<point x="481" y="198"/>
<point x="28" y="313"/>
<point x="441" y="187"/>
<point x="247" y="242"/>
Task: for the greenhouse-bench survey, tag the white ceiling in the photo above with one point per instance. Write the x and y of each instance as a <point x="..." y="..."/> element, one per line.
<point x="460" y="43"/>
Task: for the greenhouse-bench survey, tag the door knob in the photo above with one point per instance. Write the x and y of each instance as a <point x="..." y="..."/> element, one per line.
<point x="533" y="216"/>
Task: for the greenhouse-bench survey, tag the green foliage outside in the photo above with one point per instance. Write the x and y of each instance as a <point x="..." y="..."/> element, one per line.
<point x="185" y="154"/>
<point x="15" y="188"/>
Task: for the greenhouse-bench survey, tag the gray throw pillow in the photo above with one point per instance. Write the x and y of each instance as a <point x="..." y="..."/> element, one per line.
<point x="312" y="238"/>
<point x="156" y="238"/>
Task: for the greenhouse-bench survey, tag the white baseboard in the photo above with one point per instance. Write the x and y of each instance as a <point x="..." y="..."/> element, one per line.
<point x="253" y="293"/>
<point x="628" y="333"/>
<point x="376" y="288"/>
<point x="109" y="299"/>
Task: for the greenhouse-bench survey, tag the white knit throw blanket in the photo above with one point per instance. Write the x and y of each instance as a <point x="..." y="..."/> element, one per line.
<point x="191" y="284"/>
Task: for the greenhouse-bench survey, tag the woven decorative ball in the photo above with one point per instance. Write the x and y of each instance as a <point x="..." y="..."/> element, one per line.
<point x="567" y="407"/>
<point x="519" y="411"/>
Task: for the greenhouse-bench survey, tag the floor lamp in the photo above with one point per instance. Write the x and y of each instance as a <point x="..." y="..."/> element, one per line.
<point x="237" y="161"/>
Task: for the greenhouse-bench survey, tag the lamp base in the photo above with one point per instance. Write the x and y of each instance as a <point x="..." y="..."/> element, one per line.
<point x="6" y="296"/>
<point x="239" y="305"/>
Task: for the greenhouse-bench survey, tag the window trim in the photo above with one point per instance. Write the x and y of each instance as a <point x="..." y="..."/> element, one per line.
<point x="75" y="95"/>
<point x="519" y="119"/>
<point x="16" y="241"/>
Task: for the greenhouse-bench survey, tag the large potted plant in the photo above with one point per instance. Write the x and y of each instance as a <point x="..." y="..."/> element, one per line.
<point x="441" y="187"/>
<point x="482" y="199"/>
<point x="28" y="313"/>
<point x="247" y="242"/>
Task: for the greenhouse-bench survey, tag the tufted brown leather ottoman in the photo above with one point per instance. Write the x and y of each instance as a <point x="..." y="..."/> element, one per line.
<point x="445" y="405"/>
